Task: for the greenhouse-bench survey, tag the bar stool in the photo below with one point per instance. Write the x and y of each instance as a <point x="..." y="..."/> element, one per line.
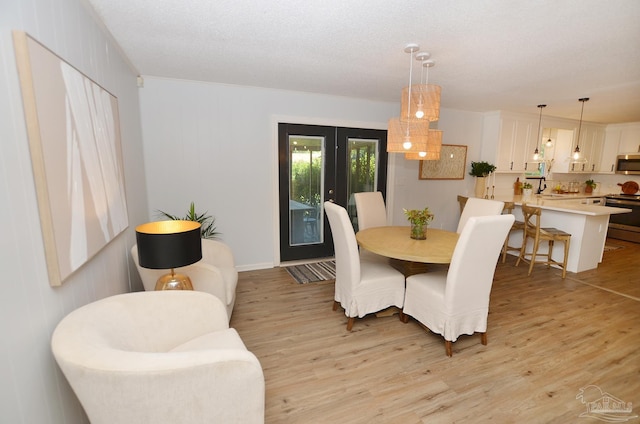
<point x="517" y="226"/>
<point x="532" y="229"/>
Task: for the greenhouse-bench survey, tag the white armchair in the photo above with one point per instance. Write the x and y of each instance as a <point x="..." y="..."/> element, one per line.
<point x="159" y="357"/>
<point x="215" y="273"/>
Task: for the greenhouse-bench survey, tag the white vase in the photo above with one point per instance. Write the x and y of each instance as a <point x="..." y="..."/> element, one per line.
<point x="526" y="193"/>
<point x="481" y="186"/>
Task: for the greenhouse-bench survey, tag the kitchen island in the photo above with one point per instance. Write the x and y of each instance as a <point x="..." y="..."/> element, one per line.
<point x="579" y="215"/>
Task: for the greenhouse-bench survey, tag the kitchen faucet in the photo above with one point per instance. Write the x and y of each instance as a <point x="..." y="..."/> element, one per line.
<point x="540" y="188"/>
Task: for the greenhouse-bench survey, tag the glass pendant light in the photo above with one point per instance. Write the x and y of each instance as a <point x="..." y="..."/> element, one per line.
<point x="578" y="157"/>
<point x="537" y="158"/>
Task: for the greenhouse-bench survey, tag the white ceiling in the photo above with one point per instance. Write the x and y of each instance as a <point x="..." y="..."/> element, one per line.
<point x="490" y="54"/>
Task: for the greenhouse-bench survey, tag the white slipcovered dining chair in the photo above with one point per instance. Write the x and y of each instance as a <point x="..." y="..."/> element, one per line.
<point x="478" y="207"/>
<point x="370" y="209"/>
<point x="456" y="301"/>
<point x="215" y="273"/>
<point x="362" y="286"/>
<point x="371" y="212"/>
<point x="160" y="357"/>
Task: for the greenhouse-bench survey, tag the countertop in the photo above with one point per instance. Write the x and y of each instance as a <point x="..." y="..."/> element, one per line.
<point x="569" y="203"/>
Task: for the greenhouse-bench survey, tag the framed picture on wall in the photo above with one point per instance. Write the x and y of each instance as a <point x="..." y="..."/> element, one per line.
<point x="74" y="139"/>
<point x="450" y="166"/>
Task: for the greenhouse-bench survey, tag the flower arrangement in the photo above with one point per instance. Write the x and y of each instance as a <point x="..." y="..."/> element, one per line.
<point x="590" y="185"/>
<point x="419" y="219"/>
<point x="481" y="169"/>
<point x="526" y="185"/>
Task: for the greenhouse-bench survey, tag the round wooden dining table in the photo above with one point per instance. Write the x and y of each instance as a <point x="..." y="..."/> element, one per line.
<point x="394" y="242"/>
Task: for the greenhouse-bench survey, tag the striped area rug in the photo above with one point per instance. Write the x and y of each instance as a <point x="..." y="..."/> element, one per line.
<point x="312" y="272"/>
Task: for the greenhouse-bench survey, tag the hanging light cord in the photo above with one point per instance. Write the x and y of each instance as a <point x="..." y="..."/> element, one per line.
<point x="539" y="126"/>
<point x="584" y="99"/>
<point x="410" y="79"/>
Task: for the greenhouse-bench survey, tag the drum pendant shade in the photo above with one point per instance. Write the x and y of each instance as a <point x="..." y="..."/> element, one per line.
<point x="425" y="98"/>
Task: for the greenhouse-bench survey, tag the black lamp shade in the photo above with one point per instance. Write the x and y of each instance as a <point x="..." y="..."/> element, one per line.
<point x="168" y="244"/>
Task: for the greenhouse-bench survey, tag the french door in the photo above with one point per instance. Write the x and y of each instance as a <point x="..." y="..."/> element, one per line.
<point x="318" y="164"/>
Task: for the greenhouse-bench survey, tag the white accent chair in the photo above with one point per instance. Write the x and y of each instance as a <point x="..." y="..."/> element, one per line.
<point x="215" y="273"/>
<point x="362" y="286"/>
<point x="478" y="207"/>
<point x="456" y="301"/>
<point x="160" y="357"/>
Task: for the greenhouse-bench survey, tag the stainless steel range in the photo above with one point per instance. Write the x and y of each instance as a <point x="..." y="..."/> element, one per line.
<point x="624" y="226"/>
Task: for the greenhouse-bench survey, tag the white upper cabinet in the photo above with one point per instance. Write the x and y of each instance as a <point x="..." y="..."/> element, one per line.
<point x="610" y="151"/>
<point x="509" y="140"/>
<point x="627" y="136"/>
<point x="591" y="147"/>
<point x="516" y="143"/>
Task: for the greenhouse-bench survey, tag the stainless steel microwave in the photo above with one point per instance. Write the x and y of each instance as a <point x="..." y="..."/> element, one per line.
<point x="628" y="164"/>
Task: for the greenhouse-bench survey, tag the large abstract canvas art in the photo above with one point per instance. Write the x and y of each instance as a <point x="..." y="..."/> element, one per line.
<point x="74" y="139"/>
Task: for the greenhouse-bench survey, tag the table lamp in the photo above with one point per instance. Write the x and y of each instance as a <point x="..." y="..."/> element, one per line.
<point x="169" y="245"/>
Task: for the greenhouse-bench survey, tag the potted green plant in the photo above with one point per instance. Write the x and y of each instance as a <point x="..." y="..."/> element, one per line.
<point x="207" y="222"/>
<point x="419" y="219"/>
<point x="590" y="185"/>
<point x="527" y="189"/>
<point x="481" y="171"/>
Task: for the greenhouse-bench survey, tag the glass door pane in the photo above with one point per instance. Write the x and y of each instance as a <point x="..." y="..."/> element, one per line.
<point x="306" y="181"/>
<point x="362" y="173"/>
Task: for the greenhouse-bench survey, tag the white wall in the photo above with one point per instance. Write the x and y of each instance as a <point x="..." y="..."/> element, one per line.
<point x="440" y="196"/>
<point x="32" y="389"/>
<point x="216" y="145"/>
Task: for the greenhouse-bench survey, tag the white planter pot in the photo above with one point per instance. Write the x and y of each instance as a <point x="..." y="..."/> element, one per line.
<point x="481" y="185"/>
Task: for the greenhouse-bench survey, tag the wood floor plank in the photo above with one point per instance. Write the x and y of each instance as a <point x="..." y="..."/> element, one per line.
<point x="548" y="338"/>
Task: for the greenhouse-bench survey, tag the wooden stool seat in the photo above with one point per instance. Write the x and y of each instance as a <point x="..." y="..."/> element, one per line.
<point x="533" y="230"/>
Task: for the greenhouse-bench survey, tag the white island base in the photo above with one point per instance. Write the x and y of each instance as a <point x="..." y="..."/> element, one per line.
<point x="587" y="224"/>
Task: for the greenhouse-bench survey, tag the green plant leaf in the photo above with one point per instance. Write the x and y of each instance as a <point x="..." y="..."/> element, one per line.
<point x="207" y="222"/>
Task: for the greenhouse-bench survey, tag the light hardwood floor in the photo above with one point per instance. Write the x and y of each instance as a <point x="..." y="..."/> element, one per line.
<point x="548" y="338"/>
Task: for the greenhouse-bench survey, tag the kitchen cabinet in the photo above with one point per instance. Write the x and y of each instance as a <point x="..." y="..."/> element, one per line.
<point x="625" y="136"/>
<point x="610" y="151"/>
<point x="516" y="142"/>
<point x="592" y="144"/>
<point x="509" y="139"/>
